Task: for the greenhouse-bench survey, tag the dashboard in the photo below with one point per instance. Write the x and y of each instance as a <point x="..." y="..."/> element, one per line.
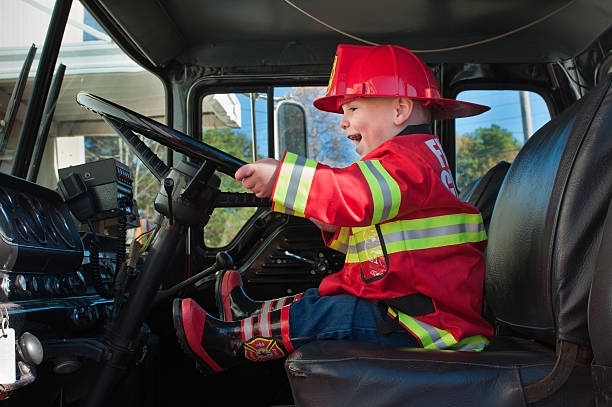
<point x="56" y="274"/>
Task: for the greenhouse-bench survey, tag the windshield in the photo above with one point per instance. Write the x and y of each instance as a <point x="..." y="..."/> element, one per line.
<point x="88" y="60"/>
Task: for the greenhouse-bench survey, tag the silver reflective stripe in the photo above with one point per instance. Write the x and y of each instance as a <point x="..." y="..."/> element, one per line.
<point x="432" y="232"/>
<point x="436" y="338"/>
<point x="247" y="328"/>
<point x="341" y="242"/>
<point x="433" y="333"/>
<point x="363" y="245"/>
<point x="472" y="346"/>
<point x="384" y="189"/>
<point x="266" y="307"/>
<point x="294" y="183"/>
<point x="264" y="325"/>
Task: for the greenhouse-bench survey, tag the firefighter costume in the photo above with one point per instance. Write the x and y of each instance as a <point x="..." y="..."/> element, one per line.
<point x="413" y="248"/>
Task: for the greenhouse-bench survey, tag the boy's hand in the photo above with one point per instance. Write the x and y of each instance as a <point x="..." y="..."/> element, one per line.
<point x="259" y="176"/>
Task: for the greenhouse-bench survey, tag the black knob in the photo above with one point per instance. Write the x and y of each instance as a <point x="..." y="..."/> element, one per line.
<point x="33" y="285"/>
<point x="224" y="261"/>
<point x="169" y="187"/>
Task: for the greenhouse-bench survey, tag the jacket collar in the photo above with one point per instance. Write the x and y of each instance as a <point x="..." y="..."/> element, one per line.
<point x="416" y="129"/>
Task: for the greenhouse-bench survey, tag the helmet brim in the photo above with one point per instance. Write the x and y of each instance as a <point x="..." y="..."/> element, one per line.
<point x="442" y="108"/>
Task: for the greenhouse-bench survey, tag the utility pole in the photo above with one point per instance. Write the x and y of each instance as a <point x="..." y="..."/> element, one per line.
<point x="526" y="115"/>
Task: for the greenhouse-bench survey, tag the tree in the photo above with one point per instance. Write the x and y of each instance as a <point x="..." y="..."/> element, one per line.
<point x="481" y="150"/>
<point x="225" y="222"/>
<point x="326" y="142"/>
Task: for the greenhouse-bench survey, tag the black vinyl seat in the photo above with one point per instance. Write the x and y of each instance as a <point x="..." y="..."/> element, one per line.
<point x="544" y="242"/>
<point x="600" y="318"/>
<point x="483" y="191"/>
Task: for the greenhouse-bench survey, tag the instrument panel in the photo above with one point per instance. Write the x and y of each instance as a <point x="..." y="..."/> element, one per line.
<point x="37" y="232"/>
<point x="44" y="261"/>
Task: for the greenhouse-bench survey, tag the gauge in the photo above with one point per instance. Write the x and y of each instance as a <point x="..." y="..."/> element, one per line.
<point x="32" y="218"/>
<point x="22" y="229"/>
<point x="6" y="199"/>
<point x="6" y="226"/>
<point x="61" y="225"/>
<point x="51" y="233"/>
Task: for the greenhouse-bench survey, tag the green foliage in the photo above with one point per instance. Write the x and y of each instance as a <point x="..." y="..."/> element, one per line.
<point x="226" y="222"/>
<point x="481" y="150"/>
<point x="230" y="142"/>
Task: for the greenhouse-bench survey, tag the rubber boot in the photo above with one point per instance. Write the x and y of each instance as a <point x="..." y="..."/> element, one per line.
<point x="218" y="345"/>
<point x="233" y="302"/>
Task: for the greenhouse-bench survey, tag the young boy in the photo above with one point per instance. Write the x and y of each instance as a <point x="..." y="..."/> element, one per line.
<point x="414" y="268"/>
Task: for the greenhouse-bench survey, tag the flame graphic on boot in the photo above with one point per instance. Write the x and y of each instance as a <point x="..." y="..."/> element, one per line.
<point x="262" y="349"/>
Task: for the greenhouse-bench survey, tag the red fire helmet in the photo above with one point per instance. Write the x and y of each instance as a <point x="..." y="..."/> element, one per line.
<point x="387" y="70"/>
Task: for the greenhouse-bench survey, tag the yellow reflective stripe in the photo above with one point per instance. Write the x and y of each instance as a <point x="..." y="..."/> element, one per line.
<point x="363" y="245"/>
<point x="279" y="207"/>
<point x="437" y="231"/>
<point x="474" y="343"/>
<point x="293" y="184"/>
<point x="437" y="241"/>
<point x="437" y="221"/>
<point x="386" y="194"/>
<point x="340" y="243"/>
<point x="428" y="335"/>
<point x="435" y="338"/>
<point x="415" y="234"/>
<point x="415" y="329"/>
<point x="284" y="176"/>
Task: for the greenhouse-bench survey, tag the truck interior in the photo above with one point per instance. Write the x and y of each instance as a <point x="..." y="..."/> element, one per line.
<point x="124" y="124"/>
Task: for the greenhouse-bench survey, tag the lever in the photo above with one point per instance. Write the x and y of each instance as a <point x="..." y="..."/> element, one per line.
<point x="222" y="261"/>
<point x="321" y="265"/>
<point x="169" y="187"/>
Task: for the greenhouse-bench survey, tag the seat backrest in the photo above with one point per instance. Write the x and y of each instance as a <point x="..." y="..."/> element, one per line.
<point x="482" y="192"/>
<point x="547" y="224"/>
<point x="600" y="318"/>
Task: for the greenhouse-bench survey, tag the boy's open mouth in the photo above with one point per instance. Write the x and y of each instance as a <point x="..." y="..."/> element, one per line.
<point x="354" y="137"/>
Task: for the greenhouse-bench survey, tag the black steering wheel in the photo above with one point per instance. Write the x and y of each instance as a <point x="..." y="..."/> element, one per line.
<point x="128" y="326"/>
<point x="124" y="121"/>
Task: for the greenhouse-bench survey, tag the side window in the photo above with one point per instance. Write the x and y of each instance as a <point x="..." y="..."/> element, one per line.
<point x="498" y="134"/>
<point x="237" y="123"/>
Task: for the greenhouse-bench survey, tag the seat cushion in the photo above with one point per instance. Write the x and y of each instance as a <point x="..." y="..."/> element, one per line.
<point x="345" y="373"/>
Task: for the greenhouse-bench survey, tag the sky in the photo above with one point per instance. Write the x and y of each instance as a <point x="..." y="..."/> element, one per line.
<point x="505" y="112"/>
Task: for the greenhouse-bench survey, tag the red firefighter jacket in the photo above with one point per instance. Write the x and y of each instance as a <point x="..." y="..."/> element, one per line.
<point x="404" y="231"/>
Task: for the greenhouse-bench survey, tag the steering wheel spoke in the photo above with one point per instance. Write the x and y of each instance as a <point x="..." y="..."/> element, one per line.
<point x="122" y="117"/>
<point x="153" y="163"/>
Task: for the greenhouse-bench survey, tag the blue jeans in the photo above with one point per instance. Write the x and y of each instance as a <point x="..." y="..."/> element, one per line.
<point x="315" y="317"/>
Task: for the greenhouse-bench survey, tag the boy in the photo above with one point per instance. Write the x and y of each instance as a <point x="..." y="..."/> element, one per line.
<point x="414" y="269"/>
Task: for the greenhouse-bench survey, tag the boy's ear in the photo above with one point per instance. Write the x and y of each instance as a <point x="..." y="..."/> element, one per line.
<point x="403" y="110"/>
